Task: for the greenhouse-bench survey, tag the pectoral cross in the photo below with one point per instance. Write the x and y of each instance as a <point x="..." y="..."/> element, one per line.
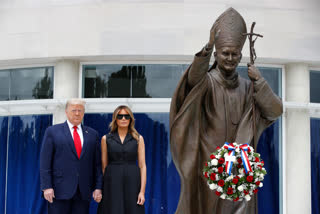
<point x="252" y="40"/>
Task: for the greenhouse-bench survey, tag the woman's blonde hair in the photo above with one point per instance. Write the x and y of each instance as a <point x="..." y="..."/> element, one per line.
<point x="113" y="125"/>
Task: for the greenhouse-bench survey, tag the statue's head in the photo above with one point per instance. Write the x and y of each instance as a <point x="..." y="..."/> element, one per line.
<point x="229" y="40"/>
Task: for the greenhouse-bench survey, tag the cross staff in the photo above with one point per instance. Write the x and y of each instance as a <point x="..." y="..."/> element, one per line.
<point x="253" y="57"/>
<point x="250" y="35"/>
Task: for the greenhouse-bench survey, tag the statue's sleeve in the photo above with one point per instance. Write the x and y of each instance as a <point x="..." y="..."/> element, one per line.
<point x="270" y="105"/>
<point x="199" y="66"/>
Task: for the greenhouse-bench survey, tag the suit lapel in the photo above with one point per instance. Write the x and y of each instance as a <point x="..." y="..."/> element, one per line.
<point x="85" y="140"/>
<point x="70" y="141"/>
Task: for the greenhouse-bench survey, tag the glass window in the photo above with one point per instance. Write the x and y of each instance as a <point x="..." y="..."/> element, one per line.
<point x="26" y="83"/>
<point x="149" y="80"/>
<point x="314" y="86"/>
<point x="4" y="85"/>
<point x="155" y="80"/>
<point x="271" y="75"/>
<point x="131" y="80"/>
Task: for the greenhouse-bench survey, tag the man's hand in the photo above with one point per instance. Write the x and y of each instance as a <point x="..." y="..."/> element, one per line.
<point x="48" y="195"/>
<point x="253" y="72"/>
<point x="97" y="195"/>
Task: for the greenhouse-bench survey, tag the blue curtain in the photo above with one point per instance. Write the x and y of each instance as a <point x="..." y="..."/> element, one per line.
<point x="269" y="149"/>
<point x="3" y="160"/>
<point x="163" y="183"/>
<point x="23" y="183"/>
<point x="315" y="164"/>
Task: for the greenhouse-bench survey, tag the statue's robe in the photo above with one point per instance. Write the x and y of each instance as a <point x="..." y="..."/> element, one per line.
<point x="207" y="111"/>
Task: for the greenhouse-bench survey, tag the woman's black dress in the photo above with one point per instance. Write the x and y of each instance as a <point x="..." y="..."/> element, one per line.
<point x="121" y="178"/>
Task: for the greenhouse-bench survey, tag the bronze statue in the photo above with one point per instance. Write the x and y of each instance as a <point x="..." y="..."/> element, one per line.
<point x="214" y="106"/>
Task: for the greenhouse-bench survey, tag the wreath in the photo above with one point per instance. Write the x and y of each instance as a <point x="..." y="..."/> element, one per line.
<point x="249" y="172"/>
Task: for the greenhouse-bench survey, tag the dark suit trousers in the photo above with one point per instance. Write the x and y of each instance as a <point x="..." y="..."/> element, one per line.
<point x="75" y="205"/>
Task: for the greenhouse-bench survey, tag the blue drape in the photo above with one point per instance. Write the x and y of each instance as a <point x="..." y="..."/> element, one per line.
<point x="23" y="183"/>
<point x="315" y="164"/>
<point x="3" y="160"/>
<point x="269" y="149"/>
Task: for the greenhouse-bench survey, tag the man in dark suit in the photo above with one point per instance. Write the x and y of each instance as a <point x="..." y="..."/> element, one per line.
<point x="70" y="164"/>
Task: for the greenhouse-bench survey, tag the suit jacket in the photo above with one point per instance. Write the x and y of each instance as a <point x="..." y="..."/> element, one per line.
<point x="60" y="167"/>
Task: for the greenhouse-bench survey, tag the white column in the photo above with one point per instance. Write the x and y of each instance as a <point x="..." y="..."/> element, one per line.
<point x="298" y="168"/>
<point x="66" y="85"/>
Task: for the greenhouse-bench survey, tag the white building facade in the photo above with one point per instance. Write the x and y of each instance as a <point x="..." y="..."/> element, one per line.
<point x="67" y="39"/>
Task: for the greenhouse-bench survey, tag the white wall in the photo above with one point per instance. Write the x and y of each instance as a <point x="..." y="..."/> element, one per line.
<point x="42" y="29"/>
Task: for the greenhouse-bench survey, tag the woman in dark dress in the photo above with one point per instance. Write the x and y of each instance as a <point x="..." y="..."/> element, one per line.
<point x="124" y="181"/>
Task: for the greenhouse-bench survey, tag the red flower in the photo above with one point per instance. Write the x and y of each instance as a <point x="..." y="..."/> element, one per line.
<point x="249" y="178"/>
<point x="220" y="169"/>
<point x="257" y="159"/>
<point x="249" y="150"/>
<point x="217" y="148"/>
<point x="230" y="191"/>
<point x="258" y="183"/>
<point x="213" y="176"/>
<point x="235" y="180"/>
<point x="206" y="175"/>
<point x="239" y="160"/>
<point x="239" y="165"/>
<point x="246" y="192"/>
<point x="206" y="164"/>
<point x="236" y="199"/>
<point x="262" y="162"/>
<point x="218" y="193"/>
<point x="260" y="166"/>
<point x="212" y="156"/>
<point x="255" y="191"/>
<point x="221" y="183"/>
<point x="221" y="161"/>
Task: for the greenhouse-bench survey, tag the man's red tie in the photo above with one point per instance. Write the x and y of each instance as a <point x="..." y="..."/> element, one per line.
<point x="77" y="141"/>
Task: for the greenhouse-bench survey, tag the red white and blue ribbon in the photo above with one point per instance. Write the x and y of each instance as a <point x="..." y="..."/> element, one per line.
<point x="244" y="156"/>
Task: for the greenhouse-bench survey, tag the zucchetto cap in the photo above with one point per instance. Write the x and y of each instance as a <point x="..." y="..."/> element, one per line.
<point x="232" y="27"/>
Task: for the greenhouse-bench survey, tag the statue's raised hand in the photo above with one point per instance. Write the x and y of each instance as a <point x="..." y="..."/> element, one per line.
<point x="214" y="34"/>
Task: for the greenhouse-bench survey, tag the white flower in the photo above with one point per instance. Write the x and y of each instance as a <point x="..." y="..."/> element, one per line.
<point x="261" y="176"/>
<point x="220" y="189"/>
<point x="241" y="171"/>
<point x="223" y="196"/>
<point x="247" y="197"/>
<point x="209" y="163"/>
<point x="225" y="155"/>
<point x="233" y="186"/>
<point x="240" y="188"/>
<point x="251" y="173"/>
<point x="214" y="162"/>
<point x="237" y="150"/>
<point x="261" y="184"/>
<point x="229" y="178"/>
<point x="218" y="157"/>
<point x="217" y="177"/>
<point x="212" y="186"/>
